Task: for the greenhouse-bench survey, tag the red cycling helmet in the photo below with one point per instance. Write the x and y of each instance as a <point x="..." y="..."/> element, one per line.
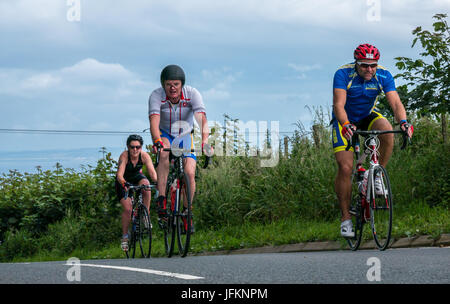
<point x="366" y="51"/>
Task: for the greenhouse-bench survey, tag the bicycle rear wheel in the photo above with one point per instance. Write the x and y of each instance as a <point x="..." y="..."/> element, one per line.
<point x="381" y="208"/>
<point x="184" y="219"/>
<point x="144" y="232"/>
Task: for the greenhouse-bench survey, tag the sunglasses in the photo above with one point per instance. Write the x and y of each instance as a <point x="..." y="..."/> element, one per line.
<point x="367" y="65"/>
<point x="135" y="147"/>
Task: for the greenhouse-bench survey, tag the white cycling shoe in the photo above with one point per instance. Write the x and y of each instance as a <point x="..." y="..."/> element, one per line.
<point x="379" y="187"/>
<point x="347" y="229"/>
<point x="124" y="244"/>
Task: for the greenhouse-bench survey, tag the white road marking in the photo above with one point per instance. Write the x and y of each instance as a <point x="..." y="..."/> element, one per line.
<point x="151" y="271"/>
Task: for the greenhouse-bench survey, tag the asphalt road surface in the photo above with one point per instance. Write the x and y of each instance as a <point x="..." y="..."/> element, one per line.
<point x="429" y="265"/>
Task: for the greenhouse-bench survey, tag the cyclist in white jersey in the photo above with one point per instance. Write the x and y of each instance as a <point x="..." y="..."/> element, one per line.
<point x="171" y="110"/>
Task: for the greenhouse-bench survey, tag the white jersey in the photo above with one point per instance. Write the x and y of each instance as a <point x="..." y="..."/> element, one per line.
<point x="176" y="118"/>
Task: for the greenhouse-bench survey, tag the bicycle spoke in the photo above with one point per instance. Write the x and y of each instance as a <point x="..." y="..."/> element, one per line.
<point x="184" y="219"/>
<point x="170" y="221"/>
<point x="145" y="232"/>
<point x="381" y="210"/>
<point x="358" y="223"/>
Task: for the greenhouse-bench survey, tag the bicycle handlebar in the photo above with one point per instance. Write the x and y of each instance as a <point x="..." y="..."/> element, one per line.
<point x="137" y="187"/>
<point x="207" y="160"/>
<point x="379" y="132"/>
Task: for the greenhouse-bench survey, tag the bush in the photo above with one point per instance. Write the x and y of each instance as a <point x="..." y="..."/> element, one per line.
<point x="59" y="209"/>
<point x="237" y="189"/>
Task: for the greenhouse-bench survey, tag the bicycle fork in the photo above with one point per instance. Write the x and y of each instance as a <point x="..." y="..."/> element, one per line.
<point x="175" y="196"/>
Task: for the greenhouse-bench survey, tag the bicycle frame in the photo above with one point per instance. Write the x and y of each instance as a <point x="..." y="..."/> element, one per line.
<point x="173" y="179"/>
<point x="175" y="175"/>
<point x="372" y="144"/>
<point x="365" y="202"/>
<point x="136" y="210"/>
<point x="177" y="187"/>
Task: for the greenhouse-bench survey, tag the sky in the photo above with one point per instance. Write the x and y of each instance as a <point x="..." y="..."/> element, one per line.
<point x="90" y="65"/>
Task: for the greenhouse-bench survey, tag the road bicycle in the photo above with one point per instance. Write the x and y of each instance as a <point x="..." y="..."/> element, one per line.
<point x="178" y="223"/>
<point x="369" y="205"/>
<point x="141" y="226"/>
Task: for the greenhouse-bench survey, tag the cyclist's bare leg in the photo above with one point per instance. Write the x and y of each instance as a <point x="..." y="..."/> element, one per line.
<point x="163" y="168"/>
<point x="386" y="140"/>
<point x="189" y="169"/>
<point x="126" y="214"/>
<point x="343" y="184"/>
<point x="146" y="195"/>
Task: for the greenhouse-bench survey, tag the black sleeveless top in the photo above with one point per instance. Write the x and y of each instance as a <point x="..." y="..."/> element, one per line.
<point x="131" y="172"/>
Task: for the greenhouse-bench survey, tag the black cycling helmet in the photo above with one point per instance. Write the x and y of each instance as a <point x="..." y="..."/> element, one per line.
<point x="172" y="72"/>
<point x="135" y="137"/>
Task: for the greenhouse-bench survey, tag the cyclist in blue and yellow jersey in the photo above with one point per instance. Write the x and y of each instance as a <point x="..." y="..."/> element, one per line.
<point x="129" y="170"/>
<point x="356" y="87"/>
<point x="172" y="109"/>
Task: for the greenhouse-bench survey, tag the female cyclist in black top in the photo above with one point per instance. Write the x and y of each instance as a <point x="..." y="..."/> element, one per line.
<point x="130" y="170"/>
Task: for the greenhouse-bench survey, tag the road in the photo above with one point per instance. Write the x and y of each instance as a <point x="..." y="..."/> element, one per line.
<point x="397" y="266"/>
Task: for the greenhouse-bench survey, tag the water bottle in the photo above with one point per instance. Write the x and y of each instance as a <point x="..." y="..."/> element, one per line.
<point x="361" y="179"/>
<point x="364" y="183"/>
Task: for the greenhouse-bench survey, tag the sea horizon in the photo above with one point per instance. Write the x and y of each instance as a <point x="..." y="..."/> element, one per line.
<point x="76" y="159"/>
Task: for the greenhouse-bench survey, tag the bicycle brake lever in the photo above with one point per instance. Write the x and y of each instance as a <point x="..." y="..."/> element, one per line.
<point x="349" y="144"/>
<point x="207" y="160"/>
<point x="406" y="139"/>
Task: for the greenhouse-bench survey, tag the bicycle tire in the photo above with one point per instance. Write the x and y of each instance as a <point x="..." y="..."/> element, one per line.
<point x="357" y="221"/>
<point x="145" y="232"/>
<point x="184" y="220"/>
<point x="381" y="207"/>
<point x="132" y="233"/>
<point x="169" y="225"/>
<point x="132" y="244"/>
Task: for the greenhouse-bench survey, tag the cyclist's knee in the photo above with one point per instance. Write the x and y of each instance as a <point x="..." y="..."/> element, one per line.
<point x="126" y="205"/>
<point x="345" y="163"/>
<point x="345" y="168"/>
<point x="382" y="124"/>
<point x="164" y="157"/>
<point x="189" y="170"/>
<point x="144" y="181"/>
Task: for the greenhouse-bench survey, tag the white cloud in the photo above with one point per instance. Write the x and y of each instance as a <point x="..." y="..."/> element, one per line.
<point x="233" y="21"/>
<point x="30" y="11"/>
<point x="221" y="81"/>
<point x="41" y="81"/>
<point x="216" y="94"/>
<point x="91" y="69"/>
<point x="89" y="78"/>
<point x="42" y="20"/>
<point x="303" y="69"/>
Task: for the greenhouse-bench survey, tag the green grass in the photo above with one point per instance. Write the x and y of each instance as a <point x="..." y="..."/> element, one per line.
<point x="417" y="219"/>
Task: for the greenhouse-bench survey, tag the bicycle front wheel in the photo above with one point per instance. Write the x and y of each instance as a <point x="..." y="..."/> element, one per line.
<point x="169" y="223"/>
<point x="144" y="232"/>
<point x="132" y="240"/>
<point x="380" y="205"/>
<point x="184" y="219"/>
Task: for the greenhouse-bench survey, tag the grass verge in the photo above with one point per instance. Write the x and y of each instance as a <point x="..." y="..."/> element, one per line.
<point x="414" y="220"/>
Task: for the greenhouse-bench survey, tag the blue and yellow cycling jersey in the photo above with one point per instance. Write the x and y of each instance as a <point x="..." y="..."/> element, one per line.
<point x="361" y="95"/>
